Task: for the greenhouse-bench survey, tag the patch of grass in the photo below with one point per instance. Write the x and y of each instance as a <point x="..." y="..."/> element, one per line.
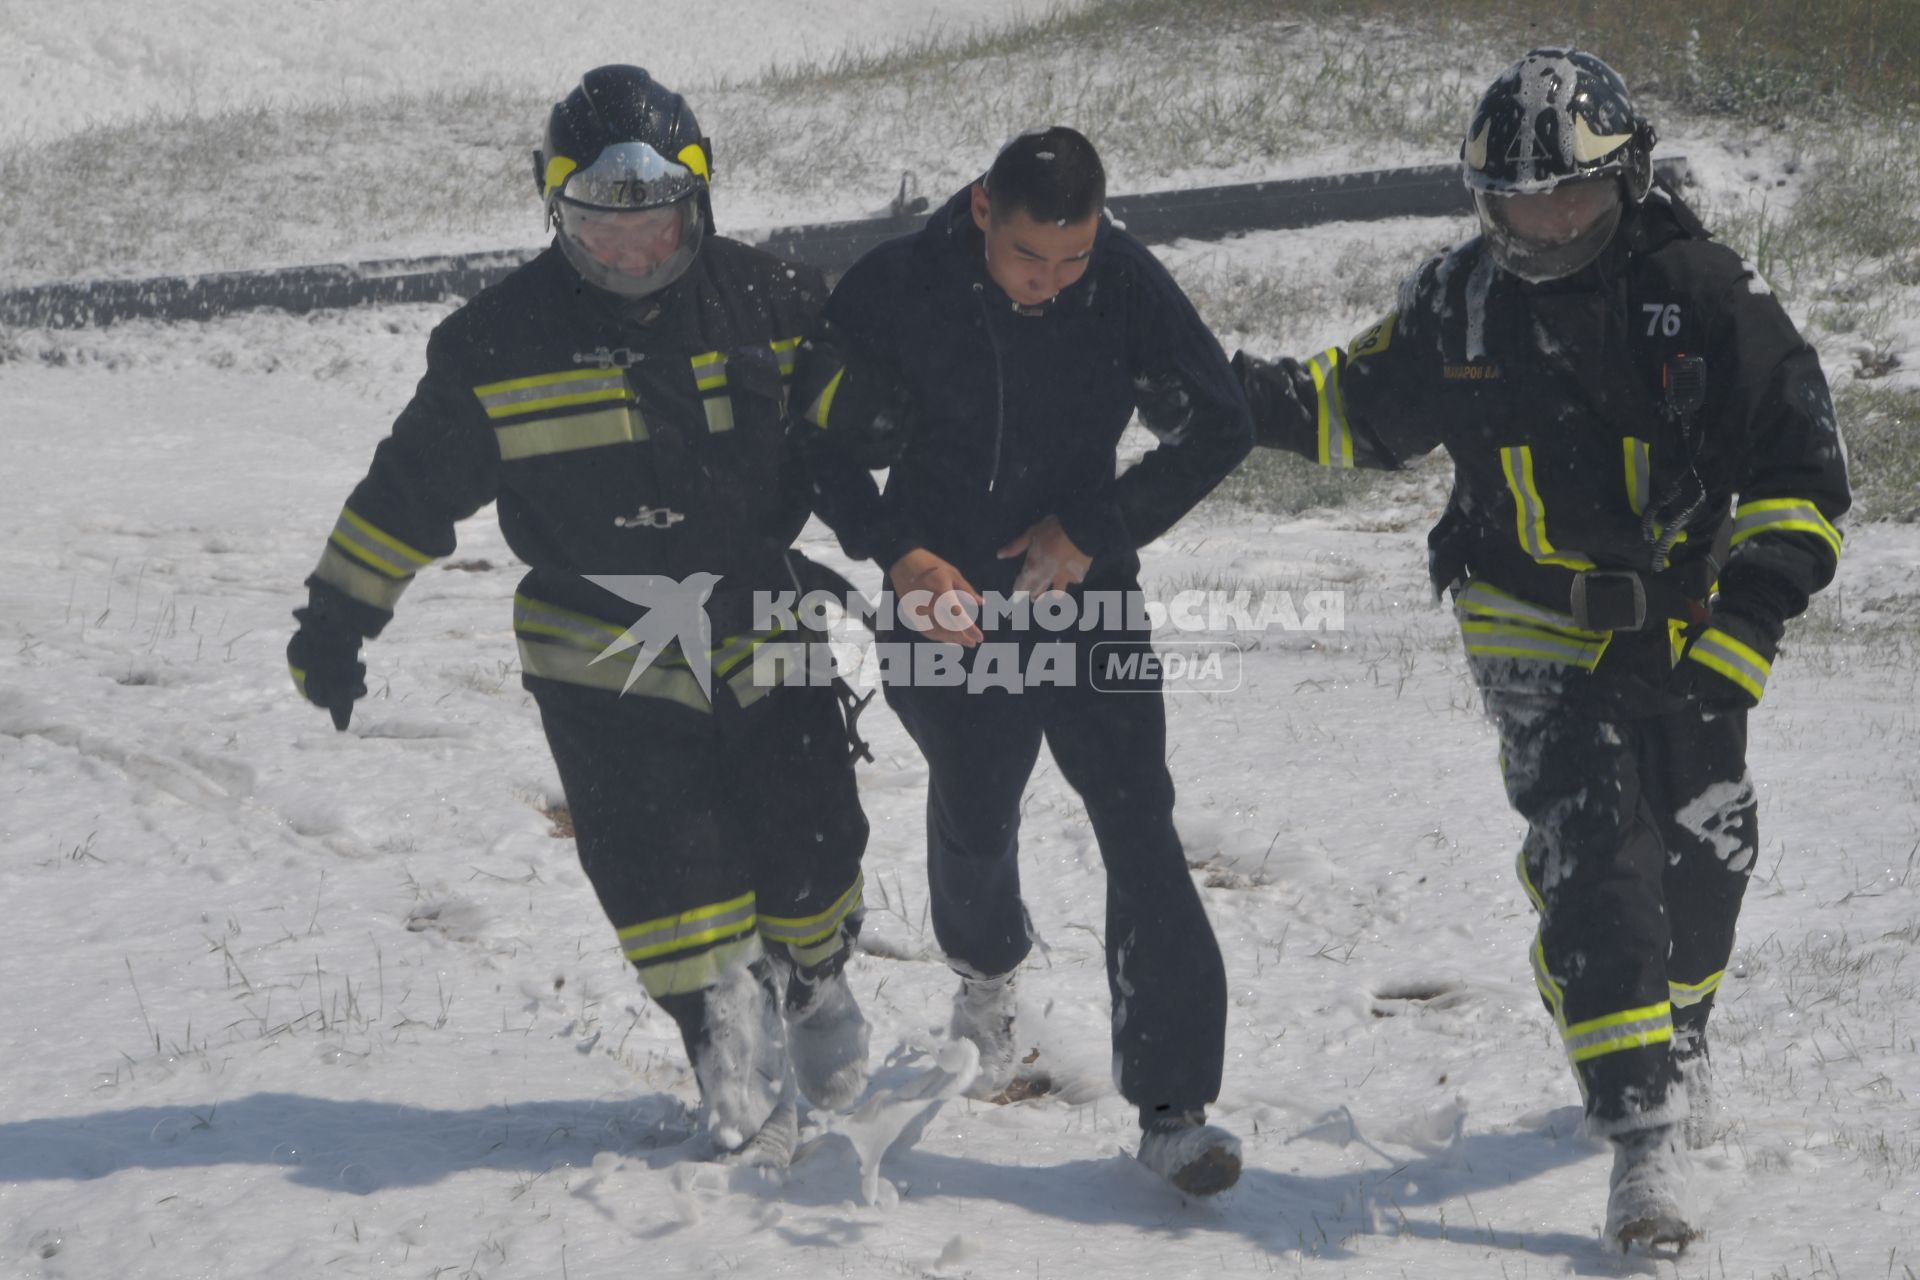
<point x="1882" y="427"/>
<point x="1173" y="102"/>
<point x="1764" y="59"/>
<point x="1246" y="92"/>
<point x="267" y="185"/>
<point x="1274" y="482"/>
<point x="1854" y="228"/>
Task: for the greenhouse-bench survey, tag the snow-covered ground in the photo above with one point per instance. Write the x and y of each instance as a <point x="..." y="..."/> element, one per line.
<point x="285" y="1001"/>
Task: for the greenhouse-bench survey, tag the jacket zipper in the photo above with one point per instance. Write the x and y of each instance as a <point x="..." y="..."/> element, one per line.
<point x="999" y="386"/>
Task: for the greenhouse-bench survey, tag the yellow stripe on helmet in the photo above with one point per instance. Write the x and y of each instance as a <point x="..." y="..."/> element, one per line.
<point x="559" y="168"/>
<point x="694" y="156"/>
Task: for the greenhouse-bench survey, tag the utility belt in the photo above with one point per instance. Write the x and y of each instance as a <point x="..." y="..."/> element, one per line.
<point x="1597" y="599"/>
<point x="1628" y="599"/>
<point x="1625" y="599"/>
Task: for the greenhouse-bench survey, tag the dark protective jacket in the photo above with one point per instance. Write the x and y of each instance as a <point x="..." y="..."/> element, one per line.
<point x="993" y="417"/>
<point x="1571" y="456"/>
<point x="617" y="437"/>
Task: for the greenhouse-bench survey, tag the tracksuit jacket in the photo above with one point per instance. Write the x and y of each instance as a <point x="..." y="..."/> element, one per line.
<point x="986" y="412"/>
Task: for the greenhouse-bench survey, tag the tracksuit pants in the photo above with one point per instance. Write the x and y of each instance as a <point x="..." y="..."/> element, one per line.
<point x="1164" y="971"/>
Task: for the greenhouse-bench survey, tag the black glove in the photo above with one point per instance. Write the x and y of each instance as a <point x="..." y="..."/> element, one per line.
<point x="324" y="657"/>
<point x="1726" y="662"/>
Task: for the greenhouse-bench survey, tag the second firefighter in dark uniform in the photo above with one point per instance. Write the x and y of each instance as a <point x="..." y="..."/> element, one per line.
<point x="1647" y="476"/>
<point x="621" y="398"/>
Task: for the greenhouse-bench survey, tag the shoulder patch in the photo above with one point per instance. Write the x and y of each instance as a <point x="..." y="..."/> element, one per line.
<point x="1373" y="340"/>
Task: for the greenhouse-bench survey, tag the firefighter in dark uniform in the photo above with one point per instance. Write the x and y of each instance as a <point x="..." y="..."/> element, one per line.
<point x="622" y="398"/>
<point x="1647" y="480"/>
<point x="991" y="361"/>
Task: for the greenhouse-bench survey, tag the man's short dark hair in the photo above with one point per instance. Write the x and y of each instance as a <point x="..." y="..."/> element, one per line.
<point x="1053" y="175"/>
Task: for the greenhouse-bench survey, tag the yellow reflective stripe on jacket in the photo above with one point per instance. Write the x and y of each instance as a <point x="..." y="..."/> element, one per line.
<point x="1531" y="511"/>
<point x="338" y="569"/>
<point x="1783" y="515"/>
<point x="1619" y="1032"/>
<point x="710" y="376"/>
<point x="823" y="405"/>
<point x="1550" y="990"/>
<point x="596" y="430"/>
<point x="1639" y="460"/>
<point x="1483" y="599"/>
<point x="1684" y="995"/>
<point x="719" y="413"/>
<point x="785" y="351"/>
<point x="729" y="654"/>
<point x="560" y="644"/>
<point x="687" y="930"/>
<point x="808" y="931"/>
<point x="570" y="665"/>
<point x="1330" y="412"/>
<point x="1496" y="624"/>
<point x="1526" y="881"/>
<point x="710" y="370"/>
<point x="1511" y="640"/>
<point x="536" y="617"/>
<point x="1718" y="651"/>
<point x="518" y="396"/>
<point x="375" y="547"/>
<point x="584" y="631"/>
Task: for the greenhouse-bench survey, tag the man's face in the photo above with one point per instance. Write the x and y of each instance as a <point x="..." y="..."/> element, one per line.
<point x="1561" y="215"/>
<point x="1032" y="261"/>
<point x="1549" y="235"/>
<point x="631" y="242"/>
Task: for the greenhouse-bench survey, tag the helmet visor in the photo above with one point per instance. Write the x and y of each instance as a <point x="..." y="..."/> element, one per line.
<point x="630" y="175"/>
<point x="631" y="252"/>
<point x="1548" y="235"/>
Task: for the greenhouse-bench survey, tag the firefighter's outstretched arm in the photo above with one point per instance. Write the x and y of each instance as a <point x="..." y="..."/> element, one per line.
<point x="439" y="465"/>
<point x="1352" y="406"/>
<point x="852" y="415"/>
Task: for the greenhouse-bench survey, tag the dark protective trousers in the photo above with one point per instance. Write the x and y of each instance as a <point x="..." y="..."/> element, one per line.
<point x="1641" y="838"/>
<point x="706" y="836"/>
<point x="1164" y="971"/>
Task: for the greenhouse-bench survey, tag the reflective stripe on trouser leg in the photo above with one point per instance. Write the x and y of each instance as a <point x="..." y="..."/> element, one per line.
<point x="1618" y="1032"/>
<point x="811" y="939"/>
<point x="692" y="949"/>
<point x="1591" y="865"/>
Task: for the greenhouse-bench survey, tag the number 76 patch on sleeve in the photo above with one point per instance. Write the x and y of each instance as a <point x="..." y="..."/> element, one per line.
<point x="1372" y="340"/>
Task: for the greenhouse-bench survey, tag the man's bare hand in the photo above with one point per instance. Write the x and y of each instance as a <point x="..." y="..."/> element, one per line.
<point x="935" y="598"/>
<point x="1053" y="562"/>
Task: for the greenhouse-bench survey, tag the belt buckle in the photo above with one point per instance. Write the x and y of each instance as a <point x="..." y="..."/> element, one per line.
<point x="1609" y="600"/>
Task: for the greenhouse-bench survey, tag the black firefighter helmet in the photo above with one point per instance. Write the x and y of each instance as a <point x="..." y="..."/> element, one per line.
<point x="1554" y="153"/>
<point x="624" y="175"/>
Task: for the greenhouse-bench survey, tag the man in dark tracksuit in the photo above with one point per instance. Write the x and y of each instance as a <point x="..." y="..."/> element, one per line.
<point x="622" y="398"/>
<point x="992" y="362"/>
<point x="1633" y="423"/>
